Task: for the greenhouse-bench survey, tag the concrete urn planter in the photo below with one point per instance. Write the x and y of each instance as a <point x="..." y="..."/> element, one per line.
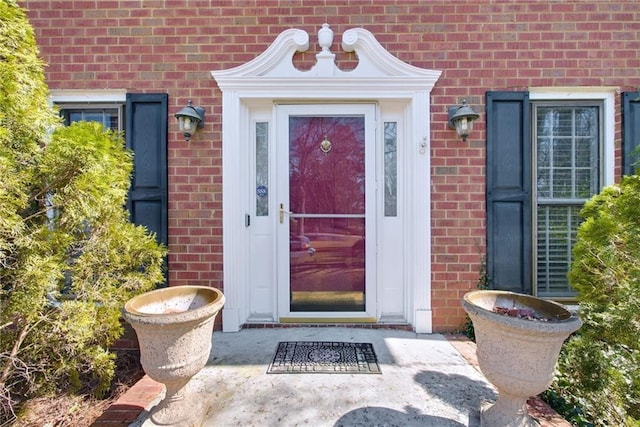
<point x="174" y="327"/>
<point x="518" y="340"/>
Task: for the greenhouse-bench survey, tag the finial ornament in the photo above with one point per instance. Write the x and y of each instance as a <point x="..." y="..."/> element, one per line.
<point x="325" y="37"/>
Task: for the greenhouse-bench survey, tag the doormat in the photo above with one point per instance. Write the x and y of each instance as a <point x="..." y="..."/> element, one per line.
<point x="319" y="357"/>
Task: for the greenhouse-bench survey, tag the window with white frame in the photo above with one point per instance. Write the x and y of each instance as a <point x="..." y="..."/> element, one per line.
<point x="573" y="159"/>
<point x="567" y="139"/>
<point x="102" y="106"/>
<point x="109" y="115"/>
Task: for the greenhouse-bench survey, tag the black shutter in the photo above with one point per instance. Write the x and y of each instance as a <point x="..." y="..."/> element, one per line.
<point x="630" y="131"/>
<point x="508" y="191"/>
<point x="146" y="135"/>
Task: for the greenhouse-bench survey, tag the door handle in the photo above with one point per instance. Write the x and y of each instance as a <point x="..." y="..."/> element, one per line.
<point x="282" y="212"/>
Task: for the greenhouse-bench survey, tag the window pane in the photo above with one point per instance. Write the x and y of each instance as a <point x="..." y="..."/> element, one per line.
<point x="585" y="149"/>
<point x="94" y="117"/>
<point x="557" y="226"/>
<point x="262" y="169"/>
<point x="544" y="152"/>
<point x="112" y="122"/>
<point x="586" y="186"/>
<point x="544" y="184"/>
<point x="561" y="187"/>
<point x="390" y="169"/>
<point x="567" y="144"/>
<point x="567" y="171"/>
<point x="562" y="153"/>
<point x="586" y="122"/>
<point x="108" y="117"/>
<point x="326" y="164"/>
<point x="74" y="116"/>
<point x="563" y="122"/>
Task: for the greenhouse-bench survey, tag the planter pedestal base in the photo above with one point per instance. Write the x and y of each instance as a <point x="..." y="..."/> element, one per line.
<point x="189" y="408"/>
<point x="507" y="411"/>
<point x="175" y="408"/>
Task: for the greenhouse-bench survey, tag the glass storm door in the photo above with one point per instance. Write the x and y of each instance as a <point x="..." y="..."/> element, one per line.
<point x="324" y="236"/>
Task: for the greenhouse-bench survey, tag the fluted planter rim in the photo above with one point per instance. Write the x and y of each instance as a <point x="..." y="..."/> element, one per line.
<point x="559" y="318"/>
<point x="132" y="308"/>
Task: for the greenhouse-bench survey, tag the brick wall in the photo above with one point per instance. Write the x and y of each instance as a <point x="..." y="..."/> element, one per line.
<point x="171" y="46"/>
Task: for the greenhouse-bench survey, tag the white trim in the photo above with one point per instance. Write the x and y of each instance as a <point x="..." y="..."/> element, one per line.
<point x="88" y="96"/>
<point x="542" y="92"/>
<point x="272" y="77"/>
<point x="419" y="213"/>
<point x="235" y="308"/>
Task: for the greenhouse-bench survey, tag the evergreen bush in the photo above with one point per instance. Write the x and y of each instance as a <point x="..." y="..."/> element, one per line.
<point x="599" y="367"/>
<point x="69" y="256"/>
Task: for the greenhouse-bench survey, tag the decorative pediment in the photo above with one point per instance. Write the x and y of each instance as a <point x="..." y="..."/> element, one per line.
<point x="374" y="61"/>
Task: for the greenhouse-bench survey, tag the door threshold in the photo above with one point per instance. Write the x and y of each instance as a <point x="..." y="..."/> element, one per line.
<point x="326" y="320"/>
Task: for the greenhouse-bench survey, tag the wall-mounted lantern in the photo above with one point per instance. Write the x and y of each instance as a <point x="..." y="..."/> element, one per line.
<point x="461" y="119"/>
<point x="190" y="119"/>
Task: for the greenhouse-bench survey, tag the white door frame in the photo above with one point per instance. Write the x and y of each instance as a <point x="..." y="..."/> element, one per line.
<point x="378" y="77"/>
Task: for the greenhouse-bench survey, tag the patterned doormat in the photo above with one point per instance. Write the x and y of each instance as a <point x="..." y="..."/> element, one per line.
<point x="319" y="357"/>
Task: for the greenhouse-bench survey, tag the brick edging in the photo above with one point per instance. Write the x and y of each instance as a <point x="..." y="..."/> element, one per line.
<point x="131" y="404"/>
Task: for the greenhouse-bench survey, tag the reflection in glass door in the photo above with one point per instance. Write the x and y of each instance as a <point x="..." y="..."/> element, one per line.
<point x="327" y="213"/>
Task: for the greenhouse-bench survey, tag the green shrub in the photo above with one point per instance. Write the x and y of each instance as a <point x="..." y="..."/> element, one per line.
<point x="599" y="367"/>
<point x="69" y="257"/>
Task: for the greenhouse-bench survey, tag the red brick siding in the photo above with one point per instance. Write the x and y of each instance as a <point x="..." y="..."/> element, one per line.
<point x="171" y="46"/>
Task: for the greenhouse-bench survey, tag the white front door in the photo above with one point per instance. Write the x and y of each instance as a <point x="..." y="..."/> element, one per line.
<point x="326" y="215"/>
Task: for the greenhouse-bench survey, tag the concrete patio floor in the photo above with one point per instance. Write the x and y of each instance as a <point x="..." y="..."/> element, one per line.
<point x="426" y="380"/>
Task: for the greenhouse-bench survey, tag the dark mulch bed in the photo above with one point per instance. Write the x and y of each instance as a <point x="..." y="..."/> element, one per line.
<point x="82" y="410"/>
